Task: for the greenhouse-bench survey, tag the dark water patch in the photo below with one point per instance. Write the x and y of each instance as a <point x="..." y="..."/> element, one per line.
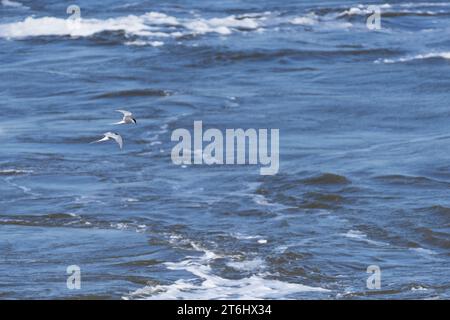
<point x="283" y="182"/>
<point x="350" y="46"/>
<point x="384" y="235"/>
<point x="317" y="200"/>
<point x="434" y="238"/>
<point x="47" y="138"/>
<point x="64" y="140"/>
<point x="101" y="38"/>
<point x="322" y="191"/>
<point x="141" y="281"/>
<point x="419" y="181"/>
<point x="53" y="219"/>
<point x="41" y="156"/>
<point x="323" y="11"/>
<point x="414" y="14"/>
<point x="59" y="216"/>
<point x="292" y="265"/>
<point x="314" y="205"/>
<point x="326" y="179"/>
<point x="108" y="38"/>
<point x="209" y="58"/>
<point x="306" y="69"/>
<point x="288" y="257"/>
<point x="40" y="40"/>
<point x="139" y="263"/>
<point x="72" y="221"/>
<point x="250" y="213"/>
<point x="325" y="197"/>
<point x="134" y="93"/>
<point x="186" y="37"/>
<point x="445" y="211"/>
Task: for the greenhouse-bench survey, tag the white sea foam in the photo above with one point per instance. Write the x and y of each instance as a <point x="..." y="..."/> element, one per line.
<point x="424" y="4"/>
<point x="308" y="20"/>
<point x="215" y="287"/>
<point x="358" y="235"/>
<point x="119" y="226"/>
<point x="15" y="4"/>
<point x="141" y="43"/>
<point x="72" y="214"/>
<point x="221" y="26"/>
<point x="247" y="265"/>
<point x="151" y="24"/>
<point x="240" y="236"/>
<point x="14" y="171"/>
<point x="24" y="189"/>
<point x="50" y="26"/>
<point x="355" y="234"/>
<point x="419" y="288"/>
<point x="432" y="55"/>
<point x="361" y="10"/>
<point x="354" y="11"/>
<point x="208" y="285"/>
<point x="161" y="25"/>
<point x="328" y="22"/>
<point x="424" y="251"/>
<point x="126" y="226"/>
<point x="11" y="221"/>
<point x="158" y="18"/>
<point x="261" y="200"/>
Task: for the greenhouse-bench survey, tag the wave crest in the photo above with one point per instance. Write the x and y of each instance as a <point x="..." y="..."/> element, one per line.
<point x="152" y="24"/>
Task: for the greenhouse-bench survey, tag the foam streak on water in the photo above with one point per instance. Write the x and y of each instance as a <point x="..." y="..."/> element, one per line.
<point x="207" y="285"/>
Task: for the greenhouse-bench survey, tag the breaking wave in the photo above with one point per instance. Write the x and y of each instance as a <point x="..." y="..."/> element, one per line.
<point x="426" y="56"/>
<point x="152" y="24"/>
<point x="207" y="285"/>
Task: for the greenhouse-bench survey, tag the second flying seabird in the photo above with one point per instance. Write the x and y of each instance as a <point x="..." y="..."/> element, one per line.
<point x="127" y="117"/>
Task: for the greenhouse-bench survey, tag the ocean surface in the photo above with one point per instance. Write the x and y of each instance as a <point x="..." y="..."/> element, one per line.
<point x="364" y="173"/>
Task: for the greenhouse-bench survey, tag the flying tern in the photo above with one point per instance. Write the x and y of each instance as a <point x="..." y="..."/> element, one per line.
<point x="127" y="117"/>
<point x="111" y="135"/>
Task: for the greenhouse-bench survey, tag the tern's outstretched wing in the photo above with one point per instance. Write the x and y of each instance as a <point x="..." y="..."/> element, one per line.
<point x="125" y="113"/>
<point x="116" y="137"/>
<point x="105" y="138"/>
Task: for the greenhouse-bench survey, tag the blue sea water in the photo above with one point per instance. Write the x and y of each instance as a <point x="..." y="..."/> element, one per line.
<point x="364" y="149"/>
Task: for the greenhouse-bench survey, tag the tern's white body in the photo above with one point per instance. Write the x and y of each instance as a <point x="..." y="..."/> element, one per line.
<point x="127" y="117"/>
<point x="111" y="135"/>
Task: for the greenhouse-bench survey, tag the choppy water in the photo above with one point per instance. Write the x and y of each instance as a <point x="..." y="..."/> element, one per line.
<point x="365" y="157"/>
